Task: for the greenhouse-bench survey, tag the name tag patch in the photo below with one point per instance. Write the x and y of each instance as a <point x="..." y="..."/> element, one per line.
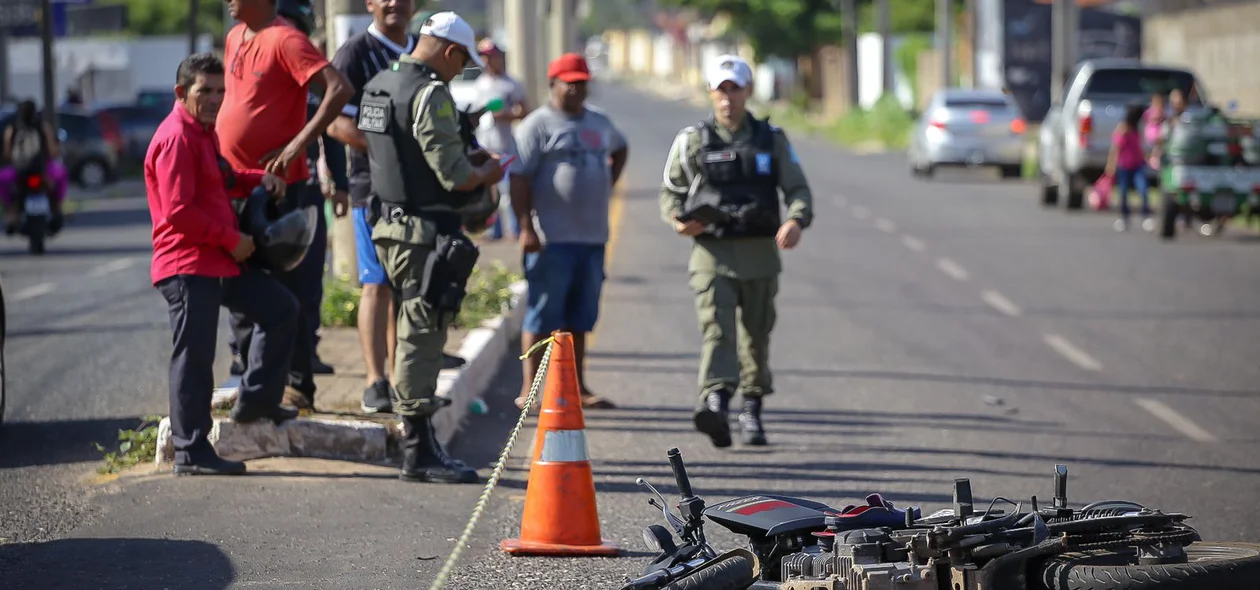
<point x="720" y="156"/>
<point x="763" y="163"/>
<point x="374" y="117"/>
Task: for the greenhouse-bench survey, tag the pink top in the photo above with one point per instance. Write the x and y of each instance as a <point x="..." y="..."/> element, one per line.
<point x="1129" y="145"/>
<point x="1152" y="122"/>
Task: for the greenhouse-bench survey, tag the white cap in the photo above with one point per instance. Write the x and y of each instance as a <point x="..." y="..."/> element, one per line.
<point x="730" y="68"/>
<point x="450" y="26"/>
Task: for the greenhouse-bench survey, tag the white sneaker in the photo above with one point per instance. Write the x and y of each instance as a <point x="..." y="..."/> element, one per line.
<point x="1148" y="224"/>
<point x="1121" y="225"/>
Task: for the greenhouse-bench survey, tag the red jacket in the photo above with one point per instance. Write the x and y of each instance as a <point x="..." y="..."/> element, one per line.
<point x="194" y="225"/>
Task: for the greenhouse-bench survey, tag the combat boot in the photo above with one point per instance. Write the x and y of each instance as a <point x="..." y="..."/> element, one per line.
<point x="713" y="417"/>
<point x="423" y="457"/>
<point x="750" y="422"/>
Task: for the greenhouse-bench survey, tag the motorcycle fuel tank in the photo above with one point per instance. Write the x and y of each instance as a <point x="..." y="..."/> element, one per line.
<point x="767" y="515"/>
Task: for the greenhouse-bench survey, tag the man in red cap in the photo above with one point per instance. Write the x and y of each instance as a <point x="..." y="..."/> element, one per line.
<point x="569" y="157"/>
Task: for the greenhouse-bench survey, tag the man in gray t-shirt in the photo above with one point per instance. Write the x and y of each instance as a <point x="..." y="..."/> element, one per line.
<point x="569" y="157"/>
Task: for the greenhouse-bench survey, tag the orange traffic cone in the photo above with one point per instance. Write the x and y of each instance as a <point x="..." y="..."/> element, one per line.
<point x="561" y="517"/>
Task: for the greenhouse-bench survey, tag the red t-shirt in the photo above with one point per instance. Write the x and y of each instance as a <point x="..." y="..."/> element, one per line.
<point x="265" y="107"/>
<point x="194" y="225"/>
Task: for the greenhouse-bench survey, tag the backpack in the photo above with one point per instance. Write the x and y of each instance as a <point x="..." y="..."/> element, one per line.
<point x="28" y="153"/>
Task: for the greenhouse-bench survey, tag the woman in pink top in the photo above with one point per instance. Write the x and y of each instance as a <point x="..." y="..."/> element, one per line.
<point x="1127" y="164"/>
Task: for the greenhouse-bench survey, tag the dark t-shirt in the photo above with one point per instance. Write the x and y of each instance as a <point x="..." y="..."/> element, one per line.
<point x="359" y="60"/>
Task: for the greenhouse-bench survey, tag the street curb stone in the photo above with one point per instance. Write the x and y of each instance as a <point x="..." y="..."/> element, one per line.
<point x="361" y="440"/>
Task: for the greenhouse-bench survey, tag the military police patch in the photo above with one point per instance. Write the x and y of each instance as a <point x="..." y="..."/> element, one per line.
<point x="763" y="163"/>
<point x="374" y="116"/>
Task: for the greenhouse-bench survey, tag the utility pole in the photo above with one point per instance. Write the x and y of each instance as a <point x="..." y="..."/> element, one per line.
<point x="4" y="64"/>
<point x="50" y="65"/>
<point x="945" y="40"/>
<point x="537" y="28"/>
<point x="341" y="232"/>
<point x="849" y="16"/>
<point x="1063" y="28"/>
<point x="194" y="6"/>
<point x="518" y="17"/>
<point x="560" y="23"/>
<point x="885" y="43"/>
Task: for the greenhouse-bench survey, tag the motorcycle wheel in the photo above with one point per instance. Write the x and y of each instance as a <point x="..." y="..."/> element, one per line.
<point x="733" y="573"/>
<point x="1209" y="566"/>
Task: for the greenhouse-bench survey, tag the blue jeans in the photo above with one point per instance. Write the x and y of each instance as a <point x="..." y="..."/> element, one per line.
<point x="1136" y="179"/>
<point x="565" y="282"/>
<point x="506" y="217"/>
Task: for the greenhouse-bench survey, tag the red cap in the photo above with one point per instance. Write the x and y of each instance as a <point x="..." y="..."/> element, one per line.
<point x="570" y="67"/>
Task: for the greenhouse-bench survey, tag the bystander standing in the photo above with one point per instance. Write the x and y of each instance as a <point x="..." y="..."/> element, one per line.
<point x="197" y="255"/>
<point x="570" y="156"/>
<point x="495" y="131"/>
<point x="272" y="67"/>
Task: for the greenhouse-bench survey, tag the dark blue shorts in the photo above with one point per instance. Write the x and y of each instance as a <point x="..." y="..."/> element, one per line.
<point x="370" y="270"/>
<point x="565" y="281"/>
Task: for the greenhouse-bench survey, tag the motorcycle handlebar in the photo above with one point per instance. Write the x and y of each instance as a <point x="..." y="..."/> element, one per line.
<point x="680" y="472"/>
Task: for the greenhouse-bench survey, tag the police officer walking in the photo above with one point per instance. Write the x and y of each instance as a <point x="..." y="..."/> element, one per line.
<point x="721" y="187"/>
<point x="424" y="175"/>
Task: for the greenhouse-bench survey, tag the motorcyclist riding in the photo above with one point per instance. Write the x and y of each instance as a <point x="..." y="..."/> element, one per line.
<point x="30" y="147"/>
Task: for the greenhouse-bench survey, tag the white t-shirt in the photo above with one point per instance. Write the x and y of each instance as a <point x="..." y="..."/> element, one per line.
<point x="496" y="136"/>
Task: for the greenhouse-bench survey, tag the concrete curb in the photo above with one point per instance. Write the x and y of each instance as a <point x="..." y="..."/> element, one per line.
<point x="344" y="438"/>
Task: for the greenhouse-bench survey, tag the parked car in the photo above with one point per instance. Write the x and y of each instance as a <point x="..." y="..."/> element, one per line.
<point x="962" y="127"/>
<point x="137" y="124"/>
<point x="91" y="144"/>
<point x="1076" y="133"/>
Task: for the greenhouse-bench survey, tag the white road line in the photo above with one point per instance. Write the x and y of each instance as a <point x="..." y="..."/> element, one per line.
<point x="112" y="266"/>
<point x="885" y="225"/>
<point x="35" y="291"/>
<point x="1000" y="302"/>
<point x="861" y="212"/>
<point x="1069" y="351"/>
<point x="952" y="269"/>
<point x="912" y="243"/>
<point x="1180" y="423"/>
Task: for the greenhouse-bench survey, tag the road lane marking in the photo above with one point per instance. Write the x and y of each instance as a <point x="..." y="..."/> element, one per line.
<point x="912" y="243"/>
<point x="34" y="291"/>
<point x="885" y="225"/>
<point x="952" y="269"/>
<point x="1000" y="302"/>
<point x="860" y="212"/>
<point x="1069" y="351"/>
<point x="1179" y="423"/>
<point x="112" y="266"/>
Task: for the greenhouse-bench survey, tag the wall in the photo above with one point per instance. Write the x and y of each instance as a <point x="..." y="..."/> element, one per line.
<point x="1219" y="44"/>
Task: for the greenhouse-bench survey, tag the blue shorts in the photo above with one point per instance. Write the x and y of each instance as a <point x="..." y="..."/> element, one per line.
<point x="370" y="270"/>
<point x="565" y="281"/>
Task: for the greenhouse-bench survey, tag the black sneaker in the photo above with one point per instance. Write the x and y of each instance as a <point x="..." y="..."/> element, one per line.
<point x="214" y="465"/>
<point x="376" y="398"/>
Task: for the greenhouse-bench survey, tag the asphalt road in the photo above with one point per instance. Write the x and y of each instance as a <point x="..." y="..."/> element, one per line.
<point x="926" y="331"/>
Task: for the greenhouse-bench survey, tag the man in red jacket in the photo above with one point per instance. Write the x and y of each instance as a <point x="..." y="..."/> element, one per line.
<point x="198" y="252"/>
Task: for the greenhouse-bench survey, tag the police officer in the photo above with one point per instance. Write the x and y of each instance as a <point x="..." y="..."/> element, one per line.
<point x="721" y="187"/>
<point x="424" y="175"/>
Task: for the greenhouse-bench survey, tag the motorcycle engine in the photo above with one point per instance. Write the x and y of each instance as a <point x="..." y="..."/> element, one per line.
<point x="861" y="559"/>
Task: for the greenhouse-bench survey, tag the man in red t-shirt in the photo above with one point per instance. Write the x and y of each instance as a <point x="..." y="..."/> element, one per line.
<point x="198" y="251"/>
<point x="272" y="69"/>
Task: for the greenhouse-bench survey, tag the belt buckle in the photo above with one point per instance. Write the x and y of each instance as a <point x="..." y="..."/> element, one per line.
<point x="395" y="214"/>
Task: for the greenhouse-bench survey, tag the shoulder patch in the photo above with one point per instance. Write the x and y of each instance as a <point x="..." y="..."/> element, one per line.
<point x="446" y="109"/>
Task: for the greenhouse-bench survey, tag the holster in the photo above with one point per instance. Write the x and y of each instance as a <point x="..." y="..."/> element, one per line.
<point x="447" y="269"/>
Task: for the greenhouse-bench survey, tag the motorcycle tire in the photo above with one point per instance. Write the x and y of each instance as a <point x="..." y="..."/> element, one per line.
<point x="734" y="573"/>
<point x="1209" y="566"/>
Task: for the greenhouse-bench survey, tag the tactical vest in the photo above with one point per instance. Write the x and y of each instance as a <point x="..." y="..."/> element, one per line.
<point x="400" y="174"/>
<point x="741" y="179"/>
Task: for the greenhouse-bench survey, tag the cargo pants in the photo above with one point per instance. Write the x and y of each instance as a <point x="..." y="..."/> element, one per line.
<point x="736" y="317"/>
<point x="403" y="246"/>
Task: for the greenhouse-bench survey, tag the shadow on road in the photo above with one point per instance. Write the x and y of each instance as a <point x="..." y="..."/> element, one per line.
<point x="115" y="563"/>
<point x="27" y="444"/>
<point x="119" y="214"/>
<point x="57" y="249"/>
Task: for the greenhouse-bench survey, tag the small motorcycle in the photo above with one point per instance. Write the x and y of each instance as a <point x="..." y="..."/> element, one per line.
<point x="796" y="544"/>
<point x="30" y="195"/>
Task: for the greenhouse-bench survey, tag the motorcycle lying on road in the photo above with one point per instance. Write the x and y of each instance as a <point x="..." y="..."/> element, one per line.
<point x="797" y="544"/>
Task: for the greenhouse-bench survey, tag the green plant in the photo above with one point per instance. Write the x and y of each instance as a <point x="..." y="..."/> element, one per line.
<point x="134" y="447"/>
<point x="489" y="294"/>
<point x="340" y="306"/>
<point x="885" y="123"/>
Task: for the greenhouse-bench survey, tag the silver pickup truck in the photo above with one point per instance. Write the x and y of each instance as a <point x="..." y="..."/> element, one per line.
<point x="1076" y="133"/>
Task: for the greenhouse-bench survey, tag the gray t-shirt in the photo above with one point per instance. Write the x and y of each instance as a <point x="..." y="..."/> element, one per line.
<point x="567" y="159"/>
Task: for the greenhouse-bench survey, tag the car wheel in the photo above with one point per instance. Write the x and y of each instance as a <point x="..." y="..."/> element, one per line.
<point x="92" y="175"/>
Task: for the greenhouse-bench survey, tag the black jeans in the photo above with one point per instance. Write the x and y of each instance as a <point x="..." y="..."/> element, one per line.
<point x="306" y="283"/>
<point x="194" y="303"/>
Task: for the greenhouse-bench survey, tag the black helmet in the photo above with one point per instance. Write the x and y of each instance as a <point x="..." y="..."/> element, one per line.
<point x="280" y="240"/>
<point x="300" y="12"/>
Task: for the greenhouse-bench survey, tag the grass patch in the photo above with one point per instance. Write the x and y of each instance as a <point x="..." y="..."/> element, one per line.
<point x="488" y="295"/>
<point x="884" y="126"/>
<point x="134" y="447"/>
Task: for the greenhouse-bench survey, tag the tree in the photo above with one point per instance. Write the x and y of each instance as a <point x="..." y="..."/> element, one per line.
<point x="776" y="28"/>
<point x="170" y="17"/>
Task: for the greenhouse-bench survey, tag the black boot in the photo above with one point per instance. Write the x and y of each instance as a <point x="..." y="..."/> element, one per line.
<point x="424" y="459"/>
<point x="713" y="417"/>
<point x="750" y="422"/>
